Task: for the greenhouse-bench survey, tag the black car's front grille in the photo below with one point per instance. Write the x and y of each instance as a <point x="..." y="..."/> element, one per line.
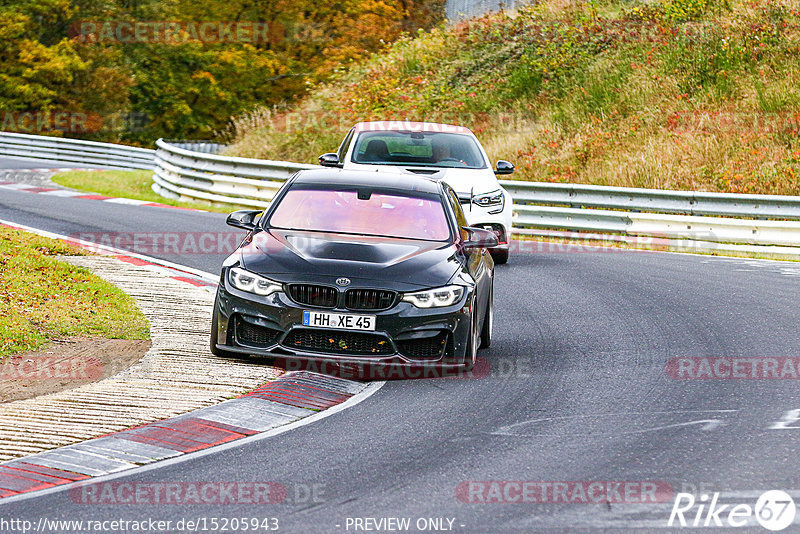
<point x="339" y="342"/>
<point x="355" y="299"/>
<point x="252" y="334"/>
<point x="314" y="295"/>
<point x="369" y="299"/>
<point x="424" y="348"/>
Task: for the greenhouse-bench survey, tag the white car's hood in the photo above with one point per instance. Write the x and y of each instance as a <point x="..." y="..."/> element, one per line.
<point x="466" y="181"/>
<point x="475" y="181"/>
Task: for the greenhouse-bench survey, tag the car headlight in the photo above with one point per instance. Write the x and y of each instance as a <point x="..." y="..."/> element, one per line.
<point x="495" y="199"/>
<point x="435" y="298"/>
<point x="252" y="283"/>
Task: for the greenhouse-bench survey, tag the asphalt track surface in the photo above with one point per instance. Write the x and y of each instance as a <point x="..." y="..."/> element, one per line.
<point x="577" y="392"/>
<point x="27" y="163"/>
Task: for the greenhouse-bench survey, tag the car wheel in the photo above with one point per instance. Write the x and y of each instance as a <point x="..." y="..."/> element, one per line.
<point x="500" y="257"/>
<point x="471" y="353"/>
<point x="488" y="321"/>
<point x="215" y="334"/>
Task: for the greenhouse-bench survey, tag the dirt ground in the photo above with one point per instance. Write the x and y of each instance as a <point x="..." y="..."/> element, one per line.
<point x="65" y="364"/>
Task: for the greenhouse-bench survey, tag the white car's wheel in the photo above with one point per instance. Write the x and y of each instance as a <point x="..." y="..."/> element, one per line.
<point x="500" y="257"/>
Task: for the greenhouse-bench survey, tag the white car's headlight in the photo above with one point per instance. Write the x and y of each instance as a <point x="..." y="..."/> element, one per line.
<point x="435" y="298"/>
<point x="252" y="283"/>
<point x="495" y="199"/>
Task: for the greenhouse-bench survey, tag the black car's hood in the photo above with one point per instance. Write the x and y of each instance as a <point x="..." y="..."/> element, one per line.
<point x="390" y="263"/>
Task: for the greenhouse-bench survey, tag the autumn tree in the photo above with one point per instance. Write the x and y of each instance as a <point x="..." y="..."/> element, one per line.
<point x="188" y="88"/>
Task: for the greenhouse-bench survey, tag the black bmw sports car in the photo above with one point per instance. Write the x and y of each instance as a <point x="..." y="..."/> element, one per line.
<point x="357" y="267"/>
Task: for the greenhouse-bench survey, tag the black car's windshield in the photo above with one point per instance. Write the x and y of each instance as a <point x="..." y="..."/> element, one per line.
<point x="430" y="149"/>
<point x="375" y="214"/>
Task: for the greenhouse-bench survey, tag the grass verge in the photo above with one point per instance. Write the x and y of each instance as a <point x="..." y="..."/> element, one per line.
<point x="44" y="299"/>
<point x="129" y="184"/>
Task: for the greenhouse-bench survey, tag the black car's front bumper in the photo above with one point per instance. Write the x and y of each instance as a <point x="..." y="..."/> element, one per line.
<point x="404" y="335"/>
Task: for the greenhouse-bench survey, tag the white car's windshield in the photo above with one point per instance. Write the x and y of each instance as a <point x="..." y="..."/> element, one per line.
<point x="429" y="149"/>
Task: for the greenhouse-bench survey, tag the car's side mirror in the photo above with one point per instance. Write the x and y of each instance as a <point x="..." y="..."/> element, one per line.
<point x="243" y="219"/>
<point x="504" y="167"/>
<point x="331" y="159"/>
<point x="479" y="238"/>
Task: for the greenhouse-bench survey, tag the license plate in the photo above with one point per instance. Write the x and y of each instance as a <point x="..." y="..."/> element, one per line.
<point x="340" y="321"/>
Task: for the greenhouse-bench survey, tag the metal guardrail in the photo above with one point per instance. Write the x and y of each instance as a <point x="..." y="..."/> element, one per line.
<point x="659" y="200"/>
<point x="456" y="10"/>
<point x="538" y="206"/>
<point x="204" y="147"/>
<point x="75" y="151"/>
<point x="182" y="173"/>
<point x="688" y="215"/>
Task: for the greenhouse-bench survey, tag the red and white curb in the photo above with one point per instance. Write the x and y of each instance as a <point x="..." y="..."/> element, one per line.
<point x="289" y="399"/>
<point x="295" y="398"/>
<point x="67" y="193"/>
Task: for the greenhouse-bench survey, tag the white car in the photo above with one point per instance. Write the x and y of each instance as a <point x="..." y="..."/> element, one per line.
<point x="442" y="151"/>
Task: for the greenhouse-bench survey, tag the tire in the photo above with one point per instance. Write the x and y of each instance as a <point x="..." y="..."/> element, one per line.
<point x="471" y="354"/>
<point x="488" y="321"/>
<point x="215" y="334"/>
<point x="500" y="257"/>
